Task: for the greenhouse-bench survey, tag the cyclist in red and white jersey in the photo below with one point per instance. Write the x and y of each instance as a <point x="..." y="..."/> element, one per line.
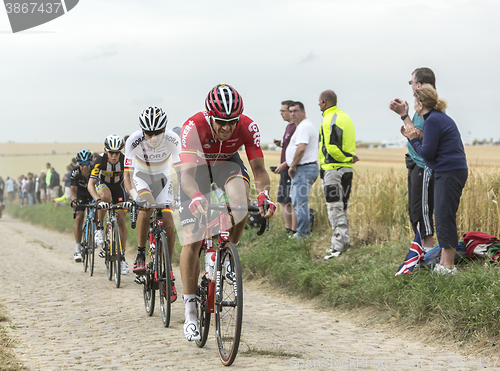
<point x="210" y="142"/>
<point x="147" y="176"/>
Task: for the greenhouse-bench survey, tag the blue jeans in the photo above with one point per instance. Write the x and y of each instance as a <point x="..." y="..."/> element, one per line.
<point x="30" y="199"/>
<point x="302" y="181"/>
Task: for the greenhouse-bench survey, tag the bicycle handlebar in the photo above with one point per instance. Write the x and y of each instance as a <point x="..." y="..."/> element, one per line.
<point x="83" y="205"/>
<point x="201" y="220"/>
<point x="265" y="223"/>
<point x="144" y="205"/>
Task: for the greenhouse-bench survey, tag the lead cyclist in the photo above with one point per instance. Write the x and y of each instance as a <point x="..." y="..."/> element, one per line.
<point x="210" y="141"/>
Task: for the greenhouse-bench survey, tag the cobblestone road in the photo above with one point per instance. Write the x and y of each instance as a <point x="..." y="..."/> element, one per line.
<point x="63" y="319"/>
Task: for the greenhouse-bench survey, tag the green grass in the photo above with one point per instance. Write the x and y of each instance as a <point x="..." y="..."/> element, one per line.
<point x="8" y="360"/>
<point x="465" y="307"/>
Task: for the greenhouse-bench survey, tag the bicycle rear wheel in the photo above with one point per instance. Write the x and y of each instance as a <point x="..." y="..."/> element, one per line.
<point x="228" y="303"/>
<point x="165" y="283"/>
<point x="117" y="254"/>
<point x="148" y="290"/>
<point x="201" y="307"/>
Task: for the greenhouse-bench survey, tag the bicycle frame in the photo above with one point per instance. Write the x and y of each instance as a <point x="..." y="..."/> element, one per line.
<point x="224" y="223"/>
<point x="90" y="218"/>
<point x="222" y="294"/>
<point x="224" y="219"/>
<point x="87" y="229"/>
<point x="111" y="218"/>
<point x="158" y="271"/>
<point x="112" y="234"/>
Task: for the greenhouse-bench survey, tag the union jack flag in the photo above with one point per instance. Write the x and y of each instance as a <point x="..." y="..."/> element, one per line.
<point x="414" y="256"/>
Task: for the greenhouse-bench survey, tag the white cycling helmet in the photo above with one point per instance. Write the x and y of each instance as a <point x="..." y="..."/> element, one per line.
<point x="153" y="119"/>
<point x="114" y="143"/>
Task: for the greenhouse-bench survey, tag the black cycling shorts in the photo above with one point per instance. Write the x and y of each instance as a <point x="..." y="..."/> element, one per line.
<point x="117" y="191"/>
<point x="84" y="196"/>
<point x="220" y="173"/>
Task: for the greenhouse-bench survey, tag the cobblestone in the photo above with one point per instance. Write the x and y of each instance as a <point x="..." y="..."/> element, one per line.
<point x="63" y="319"/>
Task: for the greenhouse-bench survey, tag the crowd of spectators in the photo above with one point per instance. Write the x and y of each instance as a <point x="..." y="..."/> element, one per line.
<point x="36" y="188"/>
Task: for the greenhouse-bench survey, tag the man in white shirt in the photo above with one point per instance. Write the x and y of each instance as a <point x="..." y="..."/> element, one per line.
<point x="302" y="160"/>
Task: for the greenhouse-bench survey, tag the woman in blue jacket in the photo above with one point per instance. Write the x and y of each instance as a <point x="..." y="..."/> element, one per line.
<point x="443" y="152"/>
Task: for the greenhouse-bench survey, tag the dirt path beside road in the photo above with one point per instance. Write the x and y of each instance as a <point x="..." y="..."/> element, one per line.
<point x="63" y="319"/>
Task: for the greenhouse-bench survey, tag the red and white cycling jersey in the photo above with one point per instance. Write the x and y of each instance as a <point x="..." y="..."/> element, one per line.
<point x="198" y="145"/>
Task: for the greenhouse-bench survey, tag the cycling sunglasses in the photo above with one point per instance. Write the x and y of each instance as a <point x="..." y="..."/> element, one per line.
<point x="114" y="152"/>
<point x="153" y="133"/>
<point x="229" y="122"/>
<point x="85" y="163"/>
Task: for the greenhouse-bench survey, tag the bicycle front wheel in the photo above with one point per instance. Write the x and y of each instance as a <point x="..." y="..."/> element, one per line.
<point x="109" y="252"/>
<point x="84" y="250"/>
<point x="228" y="303"/>
<point x="165" y="284"/>
<point x="91" y="248"/>
<point x="117" y="254"/>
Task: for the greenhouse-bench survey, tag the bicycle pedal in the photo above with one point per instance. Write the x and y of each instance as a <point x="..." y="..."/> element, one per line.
<point x="139" y="280"/>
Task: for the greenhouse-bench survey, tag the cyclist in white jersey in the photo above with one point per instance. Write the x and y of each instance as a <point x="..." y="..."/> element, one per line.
<point x="147" y="175"/>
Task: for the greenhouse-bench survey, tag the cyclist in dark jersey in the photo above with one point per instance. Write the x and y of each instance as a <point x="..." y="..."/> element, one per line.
<point x="106" y="186"/>
<point x="80" y="195"/>
<point x="209" y="153"/>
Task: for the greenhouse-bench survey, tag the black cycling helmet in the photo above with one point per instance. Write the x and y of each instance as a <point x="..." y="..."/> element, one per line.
<point x="224" y="102"/>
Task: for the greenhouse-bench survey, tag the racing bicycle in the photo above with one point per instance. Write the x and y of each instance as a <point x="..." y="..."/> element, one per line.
<point x="113" y="249"/>
<point x="159" y="275"/>
<point x="88" y="245"/>
<point x="220" y="289"/>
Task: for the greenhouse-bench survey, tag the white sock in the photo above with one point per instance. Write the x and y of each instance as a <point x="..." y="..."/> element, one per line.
<point x="190" y="307"/>
<point x="78" y="247"/>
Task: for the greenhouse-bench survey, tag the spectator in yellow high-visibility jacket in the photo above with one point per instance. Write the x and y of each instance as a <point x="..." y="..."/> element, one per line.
<point x="337" y="154"/>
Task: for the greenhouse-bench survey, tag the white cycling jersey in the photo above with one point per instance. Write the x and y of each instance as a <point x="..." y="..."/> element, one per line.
<point x="150" y="166"/>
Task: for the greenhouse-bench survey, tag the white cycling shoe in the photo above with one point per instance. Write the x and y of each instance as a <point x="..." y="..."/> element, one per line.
<point x="191" y="331"/>
<point x="124" y="267"/>
<point x="78" y="256"/>
<point x="98" y="237"/>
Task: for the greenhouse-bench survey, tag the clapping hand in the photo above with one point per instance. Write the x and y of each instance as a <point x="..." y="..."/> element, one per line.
<point x="411" y="132"/>
<point x="397" y="105"/>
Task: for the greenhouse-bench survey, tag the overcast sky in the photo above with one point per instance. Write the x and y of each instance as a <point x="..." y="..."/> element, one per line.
<point x="92" y="71"/>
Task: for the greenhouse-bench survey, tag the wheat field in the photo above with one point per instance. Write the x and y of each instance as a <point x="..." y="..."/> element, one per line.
<point x="378" y="204"/>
